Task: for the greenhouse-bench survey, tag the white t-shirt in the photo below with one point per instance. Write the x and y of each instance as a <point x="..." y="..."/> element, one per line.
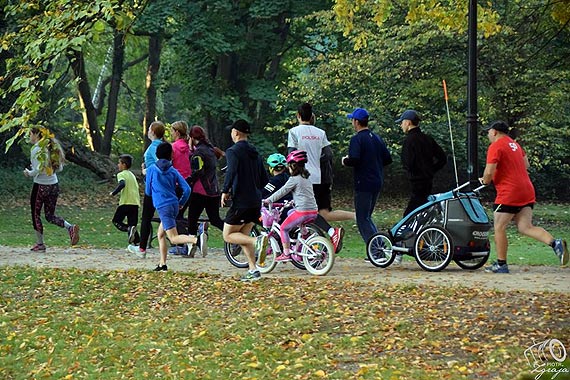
<point x="312" y="140"/>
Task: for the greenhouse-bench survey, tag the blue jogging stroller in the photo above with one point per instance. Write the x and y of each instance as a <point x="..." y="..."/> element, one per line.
<point x="450" y="226"/>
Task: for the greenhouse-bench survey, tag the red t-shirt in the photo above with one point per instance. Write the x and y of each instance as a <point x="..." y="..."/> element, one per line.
<point x="511" y="179"/>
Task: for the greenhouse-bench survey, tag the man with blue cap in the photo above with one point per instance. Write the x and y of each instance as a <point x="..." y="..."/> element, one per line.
<point x="367" y="154"/>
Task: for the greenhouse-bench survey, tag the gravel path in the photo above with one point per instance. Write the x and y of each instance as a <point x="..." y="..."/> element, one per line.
<point x="521" y="278"/>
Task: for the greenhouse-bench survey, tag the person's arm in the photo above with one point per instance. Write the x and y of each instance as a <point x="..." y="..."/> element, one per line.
<point x="119" y="187"/>
<point x="197" y="166"/>
<point x="35" y="167"/>
<point x="231" y="169"/>
<point x="292" y="142"/>
<point x="286" y="189"/>
<point x="488" y="174"/>
<point x="185" y="188"/>
<point x="353" y="157"/>
<point x="440" y="158"/>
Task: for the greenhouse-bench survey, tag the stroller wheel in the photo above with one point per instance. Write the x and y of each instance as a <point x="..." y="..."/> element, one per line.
<point x="433" y="248"/>
<point x="379" y="250"/>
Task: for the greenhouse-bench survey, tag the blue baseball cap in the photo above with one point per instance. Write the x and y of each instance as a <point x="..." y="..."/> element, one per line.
<point x="358" y="114"/>
<point x="411" y="115"/>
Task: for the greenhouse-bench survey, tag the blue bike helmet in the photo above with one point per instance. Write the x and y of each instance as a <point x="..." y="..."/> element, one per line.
<point x="275" y="160"/>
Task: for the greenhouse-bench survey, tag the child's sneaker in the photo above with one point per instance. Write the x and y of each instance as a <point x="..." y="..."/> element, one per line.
<point x="561" y="250"/>
<point x="249" y="276"/>
<point x="38" y="248"/>
<point x="496" y="268"/>
<point x="336" y="239"/>
<point x="283" y="258"/>
<point x="138" y="251"/>
<point x="161" y="268"/>
<point x="74" y="234"/>
<point x="132" y="234"/>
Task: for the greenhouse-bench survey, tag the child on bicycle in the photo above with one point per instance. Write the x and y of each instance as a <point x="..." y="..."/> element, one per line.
<point x="305" y="204"/>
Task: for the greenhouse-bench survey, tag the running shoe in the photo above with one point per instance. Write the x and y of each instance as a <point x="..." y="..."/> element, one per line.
<point x="138" y="251"/>
<point x="250" y="277"/>
<point x="283" y="258"/>
<point x="160" y="268"/>
<point x="74" y="234"/>
<point x="496" y="268"/>
<point x="38" y="248"/>
<point x="336" y="239"/>
<point x="561" y="250"/>
<point x="132" y="234"/>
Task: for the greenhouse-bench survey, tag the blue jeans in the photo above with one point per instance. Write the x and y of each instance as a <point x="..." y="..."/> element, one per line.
<point x="364" y="202"/>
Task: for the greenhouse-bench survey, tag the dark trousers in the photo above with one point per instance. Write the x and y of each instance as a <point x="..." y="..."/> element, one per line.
<point x="364" y="203"/>
<point x="198" y="203"/>
<point x="146" y="220"/>
<point x="129" y="212"/>
<point x="419" y="196"/>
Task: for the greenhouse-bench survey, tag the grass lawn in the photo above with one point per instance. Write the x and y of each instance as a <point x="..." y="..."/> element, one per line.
<point x="74" y="324"/>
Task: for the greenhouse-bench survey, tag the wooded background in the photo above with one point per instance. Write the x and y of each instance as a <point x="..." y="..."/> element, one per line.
<point x="98" y="72"/>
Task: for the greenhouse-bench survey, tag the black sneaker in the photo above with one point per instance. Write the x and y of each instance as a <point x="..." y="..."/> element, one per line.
<point x="160" y="268"/>
<point x="132" y="234"/>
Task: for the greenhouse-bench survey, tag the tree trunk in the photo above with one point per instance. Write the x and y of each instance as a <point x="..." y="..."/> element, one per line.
<point x="88" y="110"/>
<point x="154" y="50"/>
<point x="116" y="77"/>
<point x="97" y="163"/>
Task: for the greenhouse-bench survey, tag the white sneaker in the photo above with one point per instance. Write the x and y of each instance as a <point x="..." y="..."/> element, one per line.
<point x="398" y="259"/>
<point x="140" y="253"/>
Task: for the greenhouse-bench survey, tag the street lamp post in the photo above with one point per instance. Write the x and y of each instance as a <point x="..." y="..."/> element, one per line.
<point x="472" y="169"/>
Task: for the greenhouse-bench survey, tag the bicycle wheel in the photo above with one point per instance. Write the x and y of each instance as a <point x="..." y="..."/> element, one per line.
<point x="379" y="250"/>
<point x="312" y="229"/>
<point x="273" y="250"/>
<point x="474" y="263"/>
<point x="433" y="248"/>
<point x="318" y="255"/>
<point x="234" y="253"/>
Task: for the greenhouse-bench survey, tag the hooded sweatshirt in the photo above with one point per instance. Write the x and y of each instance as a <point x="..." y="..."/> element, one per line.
<point x="161" y="182"/>
<point x="245" y="175"/>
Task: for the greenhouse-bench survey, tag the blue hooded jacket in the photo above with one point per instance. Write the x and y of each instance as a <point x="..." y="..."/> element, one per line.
<point x="161" y="182"/>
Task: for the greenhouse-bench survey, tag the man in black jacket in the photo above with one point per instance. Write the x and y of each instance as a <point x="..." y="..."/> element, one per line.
<point x="245" y="178"/>
<point x="422" y="157"/>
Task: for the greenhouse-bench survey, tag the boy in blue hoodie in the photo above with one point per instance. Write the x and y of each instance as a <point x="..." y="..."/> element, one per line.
<point x="161" y="182"/>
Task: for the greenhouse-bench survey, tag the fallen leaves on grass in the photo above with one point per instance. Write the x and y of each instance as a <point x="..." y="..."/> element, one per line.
<point x="87" y="324"/>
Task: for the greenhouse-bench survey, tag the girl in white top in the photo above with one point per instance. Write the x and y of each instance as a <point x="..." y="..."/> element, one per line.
<point x="47" y="158"/>
<point x="303" y="196"/>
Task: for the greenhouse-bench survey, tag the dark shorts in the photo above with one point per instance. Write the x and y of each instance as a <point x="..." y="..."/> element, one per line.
<point x="323" y="196"/>
<point x="510" y="209"/>
<point x="239" y="216"/>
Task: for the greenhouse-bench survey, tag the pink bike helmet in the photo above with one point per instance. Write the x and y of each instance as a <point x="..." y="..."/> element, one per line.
<point x="297" y="156"/>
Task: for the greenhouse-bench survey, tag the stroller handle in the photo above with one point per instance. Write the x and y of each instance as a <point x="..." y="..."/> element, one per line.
<point x="476" y="190"/>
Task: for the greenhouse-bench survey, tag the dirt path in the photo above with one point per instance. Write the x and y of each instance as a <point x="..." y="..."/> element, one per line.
<point x="525" y="278"/>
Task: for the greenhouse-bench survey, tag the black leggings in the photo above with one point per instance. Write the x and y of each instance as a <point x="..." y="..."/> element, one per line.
<point x="198" y="203"/>
<point x="146" y="220"/>
<point x="44" y="196"/>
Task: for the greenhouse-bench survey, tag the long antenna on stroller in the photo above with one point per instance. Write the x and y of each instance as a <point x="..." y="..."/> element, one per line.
<point x="450" y="133"/>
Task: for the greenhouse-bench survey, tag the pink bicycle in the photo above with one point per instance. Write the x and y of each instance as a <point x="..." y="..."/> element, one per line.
<point x="310" y="249"/>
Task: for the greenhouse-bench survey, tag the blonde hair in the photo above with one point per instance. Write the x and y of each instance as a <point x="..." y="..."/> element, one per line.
<point x="54" y="152"/>
<point x="182" y="128"/>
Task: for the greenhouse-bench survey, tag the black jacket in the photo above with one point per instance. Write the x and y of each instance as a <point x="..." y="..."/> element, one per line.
<point x="422" y="157"/>
<point x="203" y="162"/>
<point x="245" y="175"/>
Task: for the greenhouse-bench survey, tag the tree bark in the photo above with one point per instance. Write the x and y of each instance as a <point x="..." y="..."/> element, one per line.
<point x="88" y="110"/>
<point x="154" y="50"/>
<point x="97" y="163"/>
<point x="116" y="77"/>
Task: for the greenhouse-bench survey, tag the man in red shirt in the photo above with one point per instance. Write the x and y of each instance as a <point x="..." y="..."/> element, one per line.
<point x="506" y="167"/>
